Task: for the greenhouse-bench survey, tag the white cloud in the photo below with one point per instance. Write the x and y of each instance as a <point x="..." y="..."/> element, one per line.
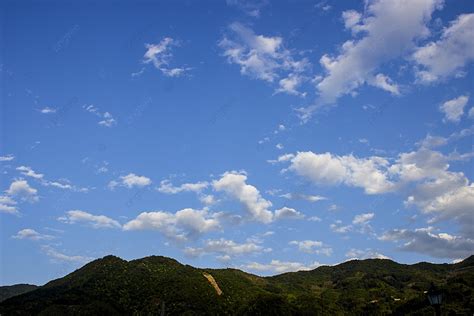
<point x="351" y="19"/>
<point x="290" y="85"/>
<point x="277" y="266"/>
<point x="312" y="246"/>
<point x="61" y="184"/>
<point x="234" y="184"/>
<point x="167" y="187"/>
<point x="225" y="247"/>
<point x="47" y="110"/>
<point x="454" y="109"/>
<point x="328" y="169"/>
<point x="105" y="119"/>
<point x="426" y="241"/>
<point x="360" y="223"/>
<point x="96" y="221"/>
<point x="178" y="226"/>
<point x="323" y="5"/>
<point x="368" y="253"/>
<point x="22" y="190"/>
<point x="130" y="180"/>
<point x="7" y="205"/>
<point x="444" y="194"/>
<point x="108" y="120"/>
<point x="471" y="113"/>
<point x="363" y="219"/>
<point x="27" y="171"/>
<point x="422" y="175"/>
<point x="298" y="196"/>
<point x="385" y="83"/>
<point x="386" y="37"/>
<point x="450" y="54"/>
<point x="339" y="228"/>
<point x="263" y="58"/>
<point x="31" y="234"/>
<point x="208" y="199"/>
<point x="450" y="197"/>
<point x="250" y="7"/>
<point x="433" y="141"/>
<point x="7" y="158"/>
<point x="314" y="219"/>
<point x="160" y="56"/>
<point x="59" y="257"/>
<point x="288" y="213"/>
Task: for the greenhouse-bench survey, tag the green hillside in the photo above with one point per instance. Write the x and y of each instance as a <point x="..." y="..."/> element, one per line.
<point x="159" y="285"/>
<point x="13" y="290"/>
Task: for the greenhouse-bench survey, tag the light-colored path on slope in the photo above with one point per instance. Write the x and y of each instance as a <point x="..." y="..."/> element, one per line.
<point x="213" y="282"/>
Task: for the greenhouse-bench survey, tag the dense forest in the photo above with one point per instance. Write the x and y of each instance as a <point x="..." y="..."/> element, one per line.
<point x="162" y="286"/>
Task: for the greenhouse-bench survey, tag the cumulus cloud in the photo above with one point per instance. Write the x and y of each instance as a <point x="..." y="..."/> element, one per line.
<point x="454" y="109"/>
<point x="312" y="246"/>
<point x="167" y="187"/>
<point x="328" y="169"/>
<point x="361" y="254"/>
<point x="208" y="199"/>
<point x="178" y="226"/>
<point x="290" y="85"/>
<point x="22" y="190"/>
<point x="59" y="257"/>
<point x="339" y="228"/>
<point x="27" y="171"/>
<point x="61" y="184"/>
<point x="385" y="83"/>
<point x="363" y="219"/>
<point x="422" y="175"/>
<point x="8" y="205"/>
<point x="450" y="54"/>
<point x="360" y="223"/>
<point x="31" y="234"/>
<point x="234" y="185"/>
<point x="96" y="221"/>
<point x="160" y="56"/>
<point x="263" y="57"/>
<point x="431" y="243"/>
<point x="288" y="213"/>
<point x="351" y="19"/>
<point x="449" y="197"/>
<point x="224" y="247"/>
<point x="130" y="180"/>
<point x="277" y="266"/>
<point x="7" y="158"/>
<point x="437" y="191"/>
<point x="385" y="38"/>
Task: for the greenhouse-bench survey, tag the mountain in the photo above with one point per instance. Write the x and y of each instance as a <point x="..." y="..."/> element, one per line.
<point x="14" y="290"/>
<point x="162" y="286"/>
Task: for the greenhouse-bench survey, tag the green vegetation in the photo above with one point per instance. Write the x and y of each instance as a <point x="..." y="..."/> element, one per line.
<point x="158" y="285"/>
<point x="14" y="290"/>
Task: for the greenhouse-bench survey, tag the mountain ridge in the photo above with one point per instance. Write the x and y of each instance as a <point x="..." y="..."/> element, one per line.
<point x="157" y="284"/>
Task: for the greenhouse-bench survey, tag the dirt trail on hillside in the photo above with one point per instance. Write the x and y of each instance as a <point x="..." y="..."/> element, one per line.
<point x="213" y="282"/>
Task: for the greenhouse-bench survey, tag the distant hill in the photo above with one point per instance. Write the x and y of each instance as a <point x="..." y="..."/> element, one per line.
<point x="162" y="286"/>
<point x="13" y="290"/>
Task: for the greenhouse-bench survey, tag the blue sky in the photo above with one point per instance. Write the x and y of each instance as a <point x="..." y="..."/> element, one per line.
<point x="266" y="136"/>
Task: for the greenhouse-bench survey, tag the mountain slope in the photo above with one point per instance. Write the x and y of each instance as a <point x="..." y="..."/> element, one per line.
<point x="159" y="285"/>
<point x="14" y="290"/>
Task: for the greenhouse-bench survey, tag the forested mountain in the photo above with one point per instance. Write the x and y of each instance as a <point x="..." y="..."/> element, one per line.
<point x="162" y="286"/>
